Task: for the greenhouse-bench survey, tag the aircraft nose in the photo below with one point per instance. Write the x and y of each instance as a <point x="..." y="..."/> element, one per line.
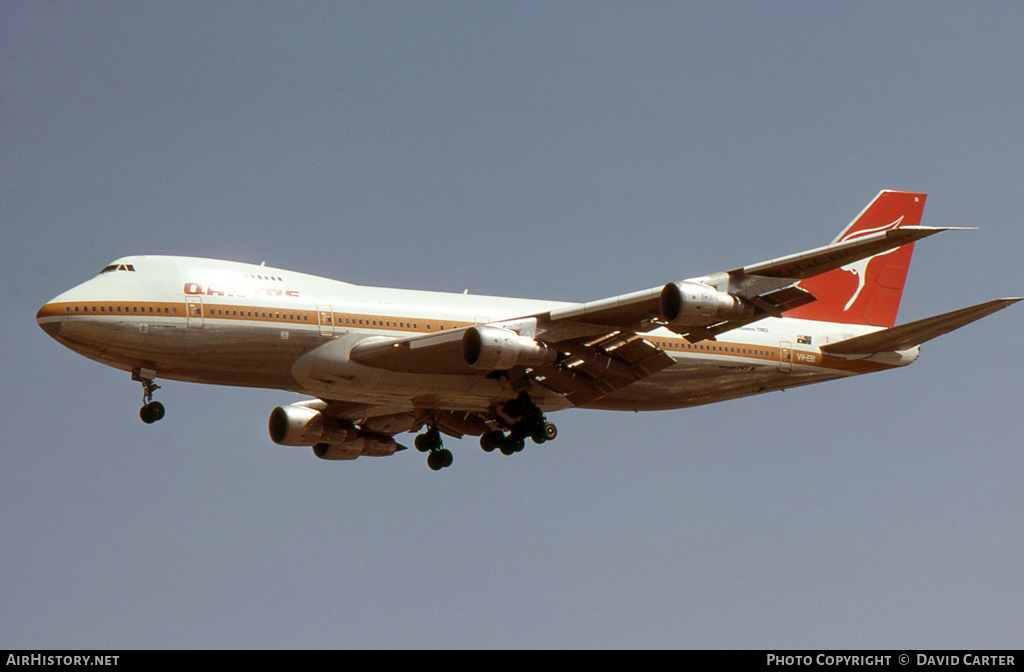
<point x="48" y="319"/>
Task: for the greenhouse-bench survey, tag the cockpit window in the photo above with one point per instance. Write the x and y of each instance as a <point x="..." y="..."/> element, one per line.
<point x="117" y="267"/>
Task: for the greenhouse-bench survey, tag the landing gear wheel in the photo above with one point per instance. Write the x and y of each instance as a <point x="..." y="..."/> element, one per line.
<point x="550" y="431"/>
<point x="491" y="440"/>
<point x="521" y="430"/>
<point x="422" y="443"/>
<point x="152" y="412"/>
<point x="439" y="459"/>
<point x="428" y="440"/>
<point x="434" y="461"/>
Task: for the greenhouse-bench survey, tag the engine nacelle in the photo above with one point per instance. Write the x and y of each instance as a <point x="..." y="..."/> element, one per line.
<point x="303" y="426"/>
<point x="497" y="349"/>
<point x="691" y="304"/>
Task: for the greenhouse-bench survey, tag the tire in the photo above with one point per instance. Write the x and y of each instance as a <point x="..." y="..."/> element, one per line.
<point x="550" y="431"/>
<point x="422" y="443"/>
<point x="157" y="410"/>
<point x="434" y="462"/>
<point x="491" y="440"/>
<point x="521" y="429"/>
<point x="146" y="415"/>
<point x="445" y="457"/>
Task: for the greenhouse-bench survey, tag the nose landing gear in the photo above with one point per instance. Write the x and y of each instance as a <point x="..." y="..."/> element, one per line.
<point x="151" y="411"/>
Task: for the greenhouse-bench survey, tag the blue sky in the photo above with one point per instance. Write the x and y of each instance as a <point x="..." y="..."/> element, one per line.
<point x="561" y="151"/>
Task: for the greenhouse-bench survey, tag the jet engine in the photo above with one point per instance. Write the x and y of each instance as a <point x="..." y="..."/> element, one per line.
<point x="691" y="304"/>
<point x="299" y="425"/>
<point x="497" y="349"/>
<point x="303" y="426"/>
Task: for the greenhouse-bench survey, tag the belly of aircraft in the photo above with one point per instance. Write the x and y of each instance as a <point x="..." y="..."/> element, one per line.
<point x="237" y="356"/>
<point x="302" y="361"/>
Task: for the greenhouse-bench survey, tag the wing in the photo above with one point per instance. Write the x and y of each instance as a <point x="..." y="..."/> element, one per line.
<point x="588" y="350"/>
<point x="601" y="340"/>
<point x="709" y="305"/>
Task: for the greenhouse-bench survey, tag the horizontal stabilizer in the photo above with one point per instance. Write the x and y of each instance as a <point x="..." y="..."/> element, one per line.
<point x="915" y="333"/>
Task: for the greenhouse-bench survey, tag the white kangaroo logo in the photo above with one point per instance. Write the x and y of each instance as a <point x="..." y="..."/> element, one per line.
<point x="860" y="268"/>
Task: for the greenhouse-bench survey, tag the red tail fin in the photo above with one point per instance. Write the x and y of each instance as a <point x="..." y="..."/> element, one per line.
<point x="867" y="291"/>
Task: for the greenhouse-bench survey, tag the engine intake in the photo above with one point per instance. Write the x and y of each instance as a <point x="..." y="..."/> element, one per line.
<point x="691" y="304"/>
<point x="497" y="349"/>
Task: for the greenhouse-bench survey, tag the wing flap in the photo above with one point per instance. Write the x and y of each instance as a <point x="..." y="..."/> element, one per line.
<point x="593" y="372"/>
<point x="915" y="333"/>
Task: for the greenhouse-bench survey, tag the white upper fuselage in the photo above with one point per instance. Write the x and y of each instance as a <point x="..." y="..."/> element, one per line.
<point x="221" y="322"/>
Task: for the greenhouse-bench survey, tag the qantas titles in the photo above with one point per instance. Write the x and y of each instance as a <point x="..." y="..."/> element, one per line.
<point x="195" y="289"/>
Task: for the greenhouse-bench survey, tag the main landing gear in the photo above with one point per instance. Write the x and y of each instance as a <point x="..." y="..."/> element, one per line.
<point x="429" y="442"/>
<point x="529" y="422"/>
<point x="151" y="411"/>
<point x="523" y="418"/>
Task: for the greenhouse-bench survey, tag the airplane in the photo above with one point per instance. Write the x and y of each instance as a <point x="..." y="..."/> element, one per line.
<point x="380" y="362"/>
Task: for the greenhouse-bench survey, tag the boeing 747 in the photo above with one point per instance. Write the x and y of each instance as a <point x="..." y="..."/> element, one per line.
<point x="379" y="362"/>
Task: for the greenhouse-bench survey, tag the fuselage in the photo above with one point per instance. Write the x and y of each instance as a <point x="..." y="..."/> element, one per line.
<point x="229" y="323"/>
